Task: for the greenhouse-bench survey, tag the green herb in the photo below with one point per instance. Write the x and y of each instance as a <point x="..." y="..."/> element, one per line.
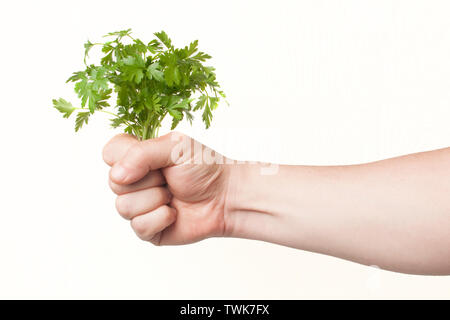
<point x="150" y="80"/>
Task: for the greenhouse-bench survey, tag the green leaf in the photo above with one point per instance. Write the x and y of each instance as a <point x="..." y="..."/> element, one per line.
<point x="192" y="48"/>
<point x="175" y="122"/>
<point x="155" y="102"/>
<point x="169" y="101"/>
<point x="99" y="80"/>
<point x="207" y="116"/>
<point x="77" y="76"/>
<point x="176" y="114"/>
<point x="169" y="76"/>
<point x="133" y="68"/>
<point x="118" y="51"/>
<point x="102" y="102"/>
<point x="82" y="86"/>
<point x="172" y="75"/>
<point x="64" y="107"/>
<point x="139" y="46"/>
<point x="107" y="47"/>
<point x="120" y="34"/>
<point x="154" y="72"/>
<point x="180" y="54"/>
<point x="164" y="39"/>
<point x="222" y="94"/>
<point x="108" y="59"/>
<point x="82" y="118"/>
<point x="93" y="97"/>
<point x="87" y="94"/>
<point x="184" y="104"/>
<point x="123" y="97"/>
<point x="201" y="56"/>
<point x="200" y="102"/>
<point x="87" y="47"/>
<point x="117" y="122"/>
<point x="213" y="103"/>
<point x="154" y="46"/>
<point x="129" y="130"/>
<point x="189" y="116"/>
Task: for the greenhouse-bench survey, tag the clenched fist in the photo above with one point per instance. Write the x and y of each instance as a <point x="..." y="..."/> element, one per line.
<point x="171" y="188"/>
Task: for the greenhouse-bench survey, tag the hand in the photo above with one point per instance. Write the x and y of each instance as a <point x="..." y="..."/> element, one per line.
<point x="166" y="189"/>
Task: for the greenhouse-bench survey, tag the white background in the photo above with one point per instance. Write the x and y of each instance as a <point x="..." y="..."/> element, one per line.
<point x="309" y="82"/>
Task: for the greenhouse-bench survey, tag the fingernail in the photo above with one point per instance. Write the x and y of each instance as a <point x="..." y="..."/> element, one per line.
<point x="118" y="173"/>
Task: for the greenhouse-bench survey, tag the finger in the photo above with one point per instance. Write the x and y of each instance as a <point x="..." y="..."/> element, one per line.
<point x="146" y="226"/>
<point x="149" y="155"/>
<point x="117" y="147"/>
<point x="152" y="179"/>
<point x="133" y="204"/>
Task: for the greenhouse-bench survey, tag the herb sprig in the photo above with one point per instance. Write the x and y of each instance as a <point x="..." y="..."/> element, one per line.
<point x="150" y="80"/>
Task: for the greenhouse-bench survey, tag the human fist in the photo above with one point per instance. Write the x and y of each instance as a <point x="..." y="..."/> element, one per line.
<point x="171" y="188"/>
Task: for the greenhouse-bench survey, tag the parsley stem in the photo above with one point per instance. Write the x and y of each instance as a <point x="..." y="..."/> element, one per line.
<point x="107" y="112"/>
<point x="144" y="133"/>
<point x="111" y="113"/>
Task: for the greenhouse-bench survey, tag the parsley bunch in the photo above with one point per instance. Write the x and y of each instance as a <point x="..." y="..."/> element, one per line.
<point x="150" y="80"/>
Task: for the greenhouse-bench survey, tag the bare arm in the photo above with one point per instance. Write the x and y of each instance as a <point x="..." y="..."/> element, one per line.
<point x="393" y="213"/>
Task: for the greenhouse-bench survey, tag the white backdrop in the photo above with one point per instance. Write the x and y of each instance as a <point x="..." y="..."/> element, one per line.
<point x="309" y="82"/>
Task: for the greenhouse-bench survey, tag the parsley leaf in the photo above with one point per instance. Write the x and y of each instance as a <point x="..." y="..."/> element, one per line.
<point x="164" y="39"/>
<point x="64" y="107"/>
<point x="87" y="47"/>
<point x="132" y="69"/>
<point x="154" y="72"/>
<point x="82" y="117"/>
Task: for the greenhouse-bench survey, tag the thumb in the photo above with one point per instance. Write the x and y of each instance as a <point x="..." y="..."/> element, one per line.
<point x="117" y="148"/>
<point x="148" y="155"/>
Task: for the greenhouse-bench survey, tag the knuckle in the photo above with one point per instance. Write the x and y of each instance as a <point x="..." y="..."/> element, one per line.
<point x="136" y="151"/>
<point x="123" y="207"/>
<point x="181" y="146"/>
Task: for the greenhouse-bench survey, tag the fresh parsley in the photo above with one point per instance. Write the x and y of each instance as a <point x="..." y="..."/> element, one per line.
<point x="148" y="80"/>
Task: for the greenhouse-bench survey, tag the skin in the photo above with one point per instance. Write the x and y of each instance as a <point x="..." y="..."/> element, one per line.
<point x="393" y="213"/>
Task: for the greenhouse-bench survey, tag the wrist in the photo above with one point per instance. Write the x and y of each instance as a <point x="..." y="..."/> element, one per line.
<point x="250" y="205"/>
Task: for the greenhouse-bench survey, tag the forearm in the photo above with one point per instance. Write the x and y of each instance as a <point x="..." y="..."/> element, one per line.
<point x="393" y="213"/>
